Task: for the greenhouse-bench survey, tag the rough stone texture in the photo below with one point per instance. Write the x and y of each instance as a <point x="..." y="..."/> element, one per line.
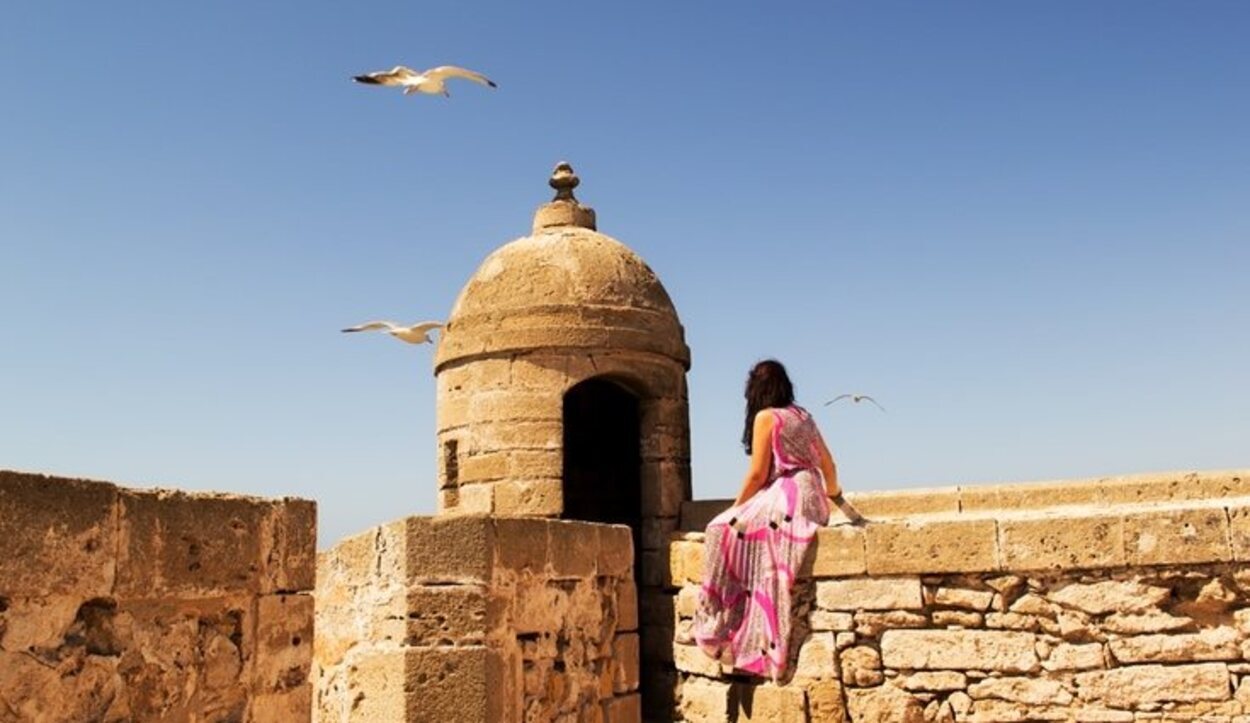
<point x="143" y="605"/>
<point x="1142" y="684"/>
<point x="1177" y="536"/>
<point x="954" y="650"/>
<point x="519" y="618"/>
<point x="919" y="545"/>
<point x="1070" y="542"/>
<point x="870" y="594"/>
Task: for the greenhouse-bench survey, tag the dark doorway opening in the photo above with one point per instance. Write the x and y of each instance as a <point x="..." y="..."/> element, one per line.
<point x="602" y="456"/>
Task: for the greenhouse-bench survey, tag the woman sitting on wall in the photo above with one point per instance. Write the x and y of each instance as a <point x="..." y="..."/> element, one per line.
<point x="753" y="549"/>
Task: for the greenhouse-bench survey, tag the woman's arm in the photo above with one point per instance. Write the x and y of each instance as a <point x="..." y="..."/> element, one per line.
<point x="829" y="470"/>
<point x="761" y="456"/>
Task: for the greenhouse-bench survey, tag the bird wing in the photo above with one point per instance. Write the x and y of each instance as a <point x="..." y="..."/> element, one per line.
<point x="840" y="396"/>
<point x="374" y="326"/>
<point x="865" y="396"/>
<point x="394" y="76"/>
<point x="443" y="72"/>
<point x="425" y="326"/>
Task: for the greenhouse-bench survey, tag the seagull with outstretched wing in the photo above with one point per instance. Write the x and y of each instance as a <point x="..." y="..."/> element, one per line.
<point x="855" y="398"/>
<point x="415" y="334"/>
<point x="432" y="81"/>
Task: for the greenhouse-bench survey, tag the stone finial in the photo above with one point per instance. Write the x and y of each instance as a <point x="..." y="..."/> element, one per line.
<point x="564" y="180"/>
<point x="564" y="209"/>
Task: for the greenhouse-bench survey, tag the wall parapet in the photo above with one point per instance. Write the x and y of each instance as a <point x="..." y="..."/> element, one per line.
<point x="135" y="604"/>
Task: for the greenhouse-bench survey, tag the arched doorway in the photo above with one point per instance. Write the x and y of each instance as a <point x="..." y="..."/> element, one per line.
<point x="602" y="456"/>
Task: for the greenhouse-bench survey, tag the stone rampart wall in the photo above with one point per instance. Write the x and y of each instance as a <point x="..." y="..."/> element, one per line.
<point x="1133" y="606"/>
<point x="143" y="605"/>
<point x="478" y="620"/>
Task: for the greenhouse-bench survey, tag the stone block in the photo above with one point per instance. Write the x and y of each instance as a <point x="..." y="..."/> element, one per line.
<point x="1068" y="656"/>
<point x="483" y="467"/>
<point x="626" y="605"/>
<point x="817" y="658"/>
<point x="284" y="642"/>
<point x="837" y="552"/>
<point x="1239" y="529"/>
<point x="285" y="706"/>
<point x="623" y="709"/>
<point x="957" y="619"/>
<point x="905" y="503"/>
<point x="829" y="620"/>
<point x="535" y="463"/>
<point x="664" y="485"/>
<point x="458" y="550"/>
<point x="530" y="498"/>
<point x="884" y="593"/>
<point x="936" y="681"/>
<point x="861" y="666"/>
<point x="706" y="701"/>
<point x="656" y="531"/>
<point x="541" y="435"/>
<point x="825" y="702"/>
<point x="1006" y="651"/>
<point x="770" y="703"/>
<point x="932" y="546"/>
<point x="474" y="499"/>
<point x="696" y="514"/>
<point x="1030" y="691"/>
<point x="1110" y="596"/>
<point x="574" y="548"/>
<point x="289" y="546"/>
<point x="1068" y="542"/>
<point x="1177" y="536"/>
<point x="616" y="550"/>
<point x="431" y="685"/>
<point x="625" y="661"/>
<point x="1174" y="487"/>
<point x="685" y="561"/>
<point x="1151" y="621"/>
<point x="522" y="543"/>
<point x="1207" y="644"/>
<point x="57" y="536"/>
<point x="692" y="659"/>
<point x="884" y="704"/>
<point x="963" y="598"/>
<point x="512" y="405"/>
<point x="1136" y="685"/>
<point x="178" y="543"/>
<point x="1027" y="496"/>
<point x="451" y="615"/>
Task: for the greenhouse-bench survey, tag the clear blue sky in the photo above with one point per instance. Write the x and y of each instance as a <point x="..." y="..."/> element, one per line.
<point x="1023" y="227"/>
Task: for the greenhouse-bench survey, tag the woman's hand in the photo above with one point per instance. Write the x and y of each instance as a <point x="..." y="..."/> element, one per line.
<point x="849" y="510"/>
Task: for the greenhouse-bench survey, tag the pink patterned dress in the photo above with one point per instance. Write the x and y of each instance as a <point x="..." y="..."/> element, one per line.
<point x="753" y="550"/>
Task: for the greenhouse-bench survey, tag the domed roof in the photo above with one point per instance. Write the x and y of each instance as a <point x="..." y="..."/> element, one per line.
<point x="565" y="286"/>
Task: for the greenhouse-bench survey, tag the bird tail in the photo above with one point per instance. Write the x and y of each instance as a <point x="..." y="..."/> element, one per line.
<point x="365" y="79"/>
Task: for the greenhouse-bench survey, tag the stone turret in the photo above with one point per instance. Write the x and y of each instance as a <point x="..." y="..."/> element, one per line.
<point x="561" y="380"/>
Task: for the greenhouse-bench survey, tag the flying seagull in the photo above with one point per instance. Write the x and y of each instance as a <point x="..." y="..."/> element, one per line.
<point x="856" y="398"/>
<point x="415" y="334"/>
<point x="432" y="81"/>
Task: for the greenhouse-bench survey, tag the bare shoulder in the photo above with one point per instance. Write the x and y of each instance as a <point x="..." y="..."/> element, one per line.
<point x="765" y="418"/>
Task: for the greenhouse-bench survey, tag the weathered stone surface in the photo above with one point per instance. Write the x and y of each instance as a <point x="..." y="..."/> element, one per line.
<point x="1207" y="644"/>
<point x="817" y="658"/>
<point x="1135" y="685"/>
<point x="932" y="546"/>
<point x="625" y="661"/>
<point x="450" y="615"/>
<point x="705" y="701"/>
<point x="1067" y="656"/>
<point x="626" y="605"/>
<point x="829" y="620"/>
<point x="1152" y="621"/>
<point x="57" y="536"/>
<point x="935" y="681"/>
<point x="446" y="550"/>
<point x="861" y="666"/>
<point x="692" y="659"/>
<point x="769" y="703"/>
<point x="963" y="598"/>
<point x="901" y="593"/>
<point x="884" y="704"/>
<point x="1177" y="536"/>
<point x="1026" y="496"/>
<point x="1062" y="542"/>
<point x="906" y="503"/>
<point x="177" y="543"/>
<point x="959" y="650"/>
<point x="825" y="702"/>
<point x="284" y="643"/>
<point x="1001" y="711"/>
<point x="1102" y="715"/>
<point x="1110" y="596"/>
<point x="1031" y="691"/>
<point x="685" y="559"/>
<point x="536" y="497"/>
<point x="872" y="624"/>
<point x="1012" y="621"/>
<point x="623" y="709"/>
<point x="837" y="552"/>
<point x="956" y="619"/>
<point x="289" y="547"/>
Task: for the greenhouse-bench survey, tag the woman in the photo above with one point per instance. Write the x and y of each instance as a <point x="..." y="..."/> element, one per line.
<point x="753" y="549"/>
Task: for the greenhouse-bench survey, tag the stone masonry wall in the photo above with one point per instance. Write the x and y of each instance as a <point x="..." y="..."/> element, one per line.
<point x="1007" y="609"/>
<point x="478" y="619"/>
<point x="144" y="605"/>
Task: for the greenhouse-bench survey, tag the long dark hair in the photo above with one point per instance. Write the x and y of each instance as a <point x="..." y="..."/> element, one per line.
<point x="768" y="386"/>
